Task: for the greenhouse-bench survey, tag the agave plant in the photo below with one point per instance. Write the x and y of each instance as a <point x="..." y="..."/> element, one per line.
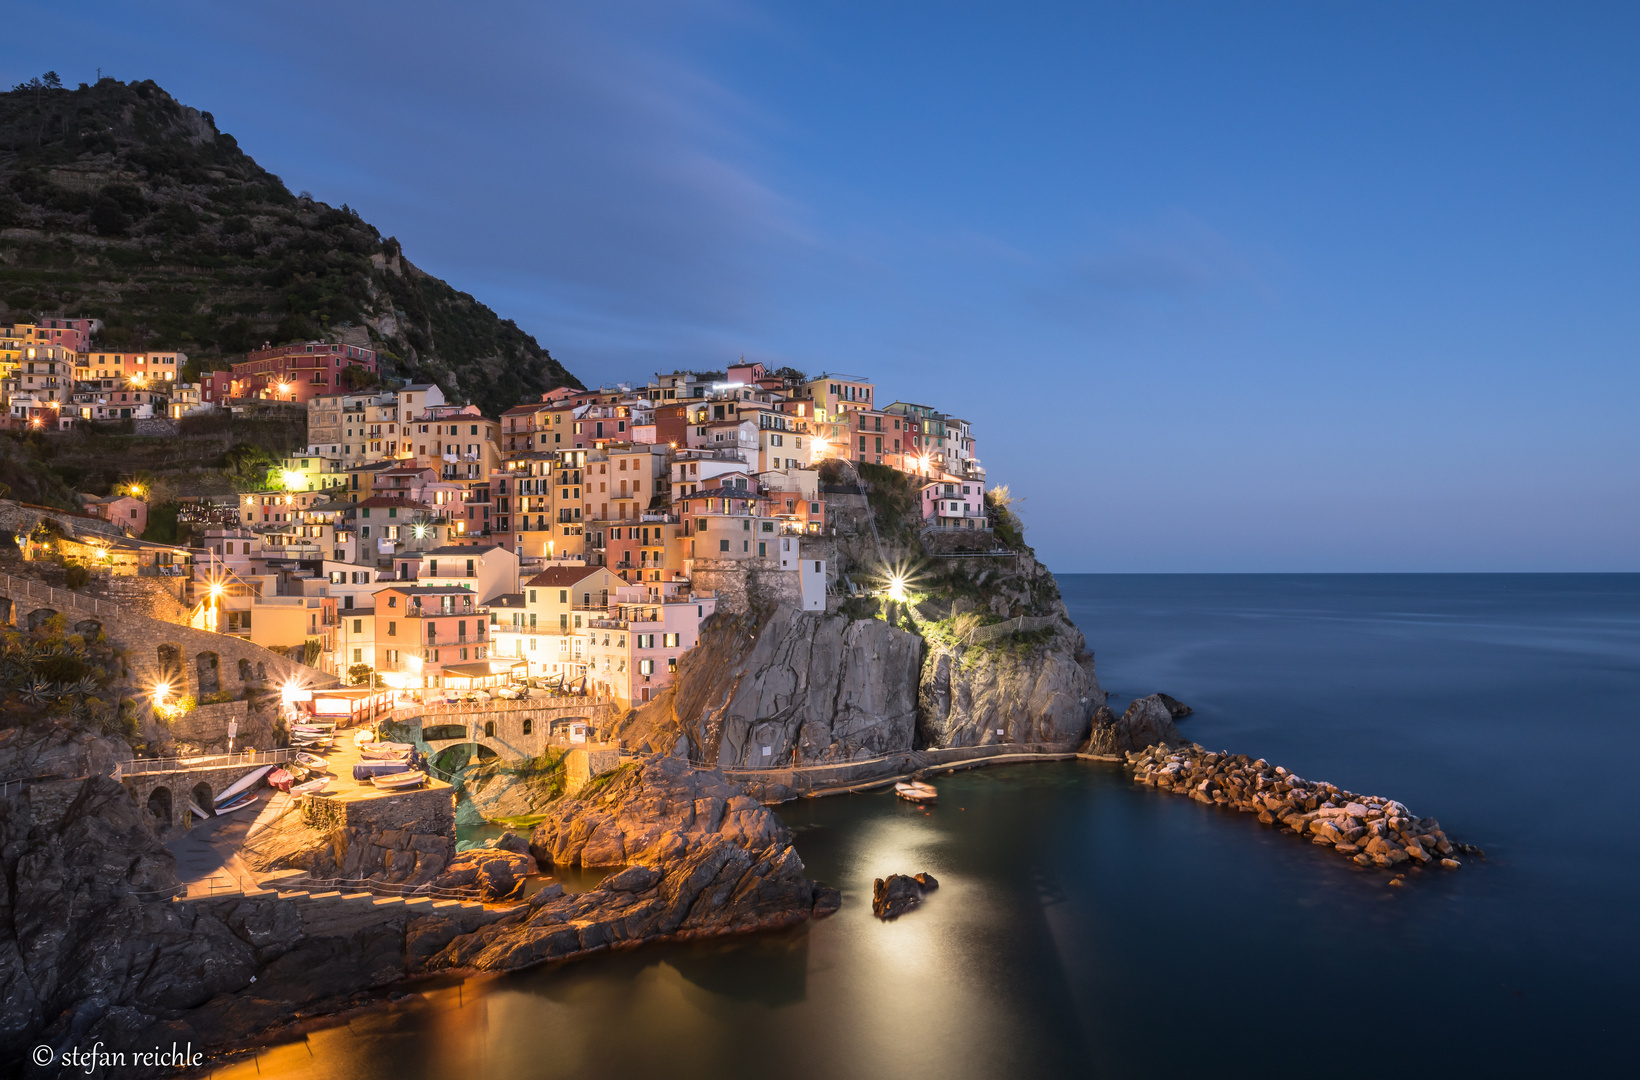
<point x="37" y="693"/>
<point x="85" y="687"/>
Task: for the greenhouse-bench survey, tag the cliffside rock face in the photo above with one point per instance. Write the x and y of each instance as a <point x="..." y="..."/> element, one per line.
<point x="755" y="690"/>
<point x="701" y="859"/>
<point x="1041" y="693"/>
<point x="1148" y="721"/>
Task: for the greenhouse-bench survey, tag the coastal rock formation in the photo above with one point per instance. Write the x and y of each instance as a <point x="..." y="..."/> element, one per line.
<point x="701" y="859"/>
<point x="790" y="685"/>
<point x="497" y="869"/>
<point x="1373" y="831"/>
<point x="1148" y="721"/>
<point x="1175" y="708"/>
<point x="897" y="894"/>
<point x="973" y="695"/>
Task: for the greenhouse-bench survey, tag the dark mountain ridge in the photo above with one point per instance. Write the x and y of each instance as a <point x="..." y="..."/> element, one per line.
<point x="120" y="203"/>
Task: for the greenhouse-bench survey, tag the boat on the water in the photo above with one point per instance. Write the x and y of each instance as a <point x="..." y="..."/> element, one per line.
<point x="312" y="761"/>
<point x="242" y="784"/>
<point x="396" y="781"/>
<point x="916" y="791"/>
<point x="310" y="787"/>
<point x="385" y="749"/>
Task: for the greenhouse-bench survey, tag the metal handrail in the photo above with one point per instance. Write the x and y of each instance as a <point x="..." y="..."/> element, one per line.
<point x="138" y="766"/>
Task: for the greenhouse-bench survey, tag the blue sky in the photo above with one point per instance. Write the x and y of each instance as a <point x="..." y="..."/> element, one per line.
<point x="1222" y="287"/>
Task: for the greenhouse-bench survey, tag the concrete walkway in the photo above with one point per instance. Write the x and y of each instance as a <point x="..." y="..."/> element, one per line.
<point x="207" y="857"/>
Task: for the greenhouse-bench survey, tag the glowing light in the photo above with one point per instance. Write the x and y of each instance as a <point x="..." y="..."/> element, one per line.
<point x="162" y="690"/>
<point x="290" y="691"/>
<point x="284" y="388"/>
<point x="136" y="491"/>
<point x="216" y="590"/>
<point x="896" y="588"/>
<point x="821" y="446"/>
<point x="421" y="532"/>
<point x="291" y="478"/>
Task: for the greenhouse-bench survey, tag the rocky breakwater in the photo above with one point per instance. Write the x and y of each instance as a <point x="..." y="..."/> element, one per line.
<point x="701" y="859"/>
<point x="1371" y="830"/>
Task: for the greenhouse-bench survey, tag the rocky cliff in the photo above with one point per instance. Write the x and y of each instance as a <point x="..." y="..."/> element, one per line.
<point x="701" y="859"/>
<point x="785" y="685"/>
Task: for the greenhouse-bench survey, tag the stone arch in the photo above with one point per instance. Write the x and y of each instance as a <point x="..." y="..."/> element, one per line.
<point x="246" y="674"/>
<point x="442" y="732"/>
<point x="170" y="666"/>
<point x="204" y="798"/>
<point x="37" y="618"/>
<point x="159" y="805"/>
<point x="489" y="729"/>
<point x="529" y="726"/>
<point x="457" y="756"/>
<point x="208" y="671"/>
<point x="88" y="628"/>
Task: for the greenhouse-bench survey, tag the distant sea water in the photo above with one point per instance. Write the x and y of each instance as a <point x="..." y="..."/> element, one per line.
<point x="1089" y="927"/>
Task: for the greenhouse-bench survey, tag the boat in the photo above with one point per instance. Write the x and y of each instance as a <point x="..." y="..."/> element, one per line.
<point x="198" y="813"/>
<point x="916" y="791"/>
<point x="312" y="761"/>
<point x="367" y="769"/>
<point x="386" y="749"/>
<point x="317" y="725"/>
<point x="311" y="787"/>
<point x="240" y="803"/>
<point x="280" y="779"/>
<point x="396" y="781"/>
<point x="242" y="784"/>
<point x="362" y="736"/>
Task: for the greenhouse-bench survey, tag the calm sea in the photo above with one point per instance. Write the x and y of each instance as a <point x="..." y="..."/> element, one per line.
<point x="1087" y="927"/>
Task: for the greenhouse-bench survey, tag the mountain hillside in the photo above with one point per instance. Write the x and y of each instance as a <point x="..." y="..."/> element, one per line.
<point x="120" y="203"/>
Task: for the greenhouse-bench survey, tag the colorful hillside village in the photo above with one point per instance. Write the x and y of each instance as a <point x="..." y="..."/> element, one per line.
<point x="580" y="539"/>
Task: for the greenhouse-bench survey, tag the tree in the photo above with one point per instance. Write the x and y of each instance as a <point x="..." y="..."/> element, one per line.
<point x="359" y="674"/>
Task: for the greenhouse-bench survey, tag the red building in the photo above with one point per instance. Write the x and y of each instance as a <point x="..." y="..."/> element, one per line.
<point x="288" y="372"/>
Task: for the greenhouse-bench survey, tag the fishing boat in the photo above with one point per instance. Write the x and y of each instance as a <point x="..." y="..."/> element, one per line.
<point x="311" y="787"/>
<point x="280" y="779"/>
<point x="386" y="749"/>
<point x="396" y="781"/>
<point x="312" y="761"/>
<point x="317" y="725"/>
<point x="240" y="803"/>
<point x="366" y="769"/>
<point x="916" y="791"/>
<point x="362" y="736"/>
<point x="242" y="784"/>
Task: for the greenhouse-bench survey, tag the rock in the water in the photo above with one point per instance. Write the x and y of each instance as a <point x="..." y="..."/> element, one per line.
<point x="1146" y="722"/>
<point x="1175" y="708"/>
<point x="897" y="894"/>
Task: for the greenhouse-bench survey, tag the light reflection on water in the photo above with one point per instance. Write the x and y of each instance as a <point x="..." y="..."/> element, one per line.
<point x="1085" y="925"/>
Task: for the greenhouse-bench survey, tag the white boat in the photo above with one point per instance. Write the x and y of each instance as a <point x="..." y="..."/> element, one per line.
<point x="244" y="783"/>
<point x="311" y="787"/>
<point x="362" y="736"/>
<point x="916" y="791"/>
<point x="386" y="749"/>
<point x="317" y="725"/>
<point x="312" y="761"/>
<point x="198" y="813"/>
<point x="394" y="781"/>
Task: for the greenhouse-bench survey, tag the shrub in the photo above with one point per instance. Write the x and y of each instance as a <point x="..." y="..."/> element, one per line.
<point x="76" y="576"/>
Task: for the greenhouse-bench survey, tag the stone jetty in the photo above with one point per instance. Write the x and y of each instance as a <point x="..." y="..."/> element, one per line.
<point x="1372" y="831"/>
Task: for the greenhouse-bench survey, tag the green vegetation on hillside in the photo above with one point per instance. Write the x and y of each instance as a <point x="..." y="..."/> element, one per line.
<point x="135" y="209"/>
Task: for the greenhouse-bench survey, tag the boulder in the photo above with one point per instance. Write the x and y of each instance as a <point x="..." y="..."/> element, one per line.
<point x="497" y="874"/>
<point x="897" y="894"/>
<point x="1175" y="708"/>
<point x="1146" y="722"/>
